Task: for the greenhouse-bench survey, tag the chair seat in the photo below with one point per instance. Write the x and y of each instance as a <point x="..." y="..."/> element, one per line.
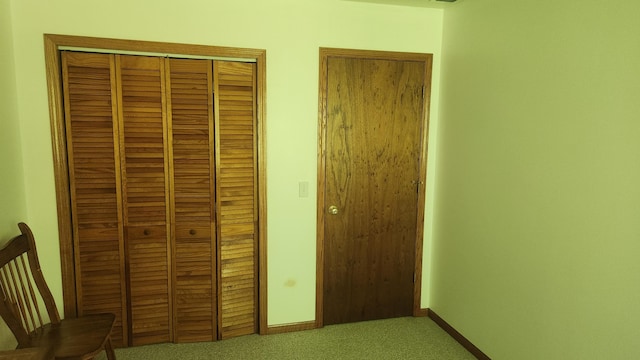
<point x="76" y="338"/>
<point x="25" y="354"/>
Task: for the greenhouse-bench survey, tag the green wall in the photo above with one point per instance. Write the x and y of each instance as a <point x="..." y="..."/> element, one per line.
<point x="537" y="226"/>
<point x="291" y="31"/>
<point x="12" y="192"/>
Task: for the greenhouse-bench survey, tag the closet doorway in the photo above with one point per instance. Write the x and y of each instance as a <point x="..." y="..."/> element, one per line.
<point x="371" y="176"/>
<point x="160" y="185"/>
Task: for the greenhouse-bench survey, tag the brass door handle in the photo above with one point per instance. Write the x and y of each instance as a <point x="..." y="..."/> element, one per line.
<point x="333" y="210"/>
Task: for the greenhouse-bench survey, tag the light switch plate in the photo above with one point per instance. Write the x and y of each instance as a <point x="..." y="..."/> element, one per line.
<point x="303" y="189"/>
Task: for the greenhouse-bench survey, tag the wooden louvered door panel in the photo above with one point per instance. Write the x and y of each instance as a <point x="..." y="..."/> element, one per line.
<point x="95" y="186"/>
<point x="236" y="183"/>
<point x="191" y="119"/>
<point x="146" y="197"/>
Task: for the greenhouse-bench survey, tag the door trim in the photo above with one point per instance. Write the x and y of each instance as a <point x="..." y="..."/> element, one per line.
<point x="325" y="54"/>
<point x="52" y="46"/>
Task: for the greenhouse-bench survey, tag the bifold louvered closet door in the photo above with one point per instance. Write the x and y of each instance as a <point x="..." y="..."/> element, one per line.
<point x="162" y="174"/>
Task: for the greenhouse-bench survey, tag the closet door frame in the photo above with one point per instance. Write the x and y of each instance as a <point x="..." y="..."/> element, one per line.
<point x="53" y="45"/>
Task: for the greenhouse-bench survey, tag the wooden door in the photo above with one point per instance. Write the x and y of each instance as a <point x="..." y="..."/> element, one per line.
<point x="374" y="140"/>
<point x="237" y="184"/>
<point x="94" y="179"/>
<point x="145" y="188"/>
<point x="190" y="112"/>
<point x="163" y="175"/>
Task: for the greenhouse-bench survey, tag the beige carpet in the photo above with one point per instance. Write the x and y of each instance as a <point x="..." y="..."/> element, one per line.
<point x="401" y="338"/>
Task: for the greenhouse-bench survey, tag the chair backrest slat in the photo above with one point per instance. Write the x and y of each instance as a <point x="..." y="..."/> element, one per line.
<point x="19" y="298"/>
<point x="3" y="287"/>
<point x="33" y="297"/>
<point x="28" y="299"/>
<point x="8" y="294"/>
<point x="8" y="289"/>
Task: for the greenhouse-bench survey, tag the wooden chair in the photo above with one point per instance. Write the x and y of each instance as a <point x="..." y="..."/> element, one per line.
<point x="76" y="338"/>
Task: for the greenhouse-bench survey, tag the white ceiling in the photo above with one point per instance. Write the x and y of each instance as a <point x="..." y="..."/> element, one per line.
<point x="415" y="3"/>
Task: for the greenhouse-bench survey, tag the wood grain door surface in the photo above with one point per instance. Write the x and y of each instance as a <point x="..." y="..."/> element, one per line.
<point x="163" y="183"/>
<point x="374" y="120"/>
<point x="145" y="174"/>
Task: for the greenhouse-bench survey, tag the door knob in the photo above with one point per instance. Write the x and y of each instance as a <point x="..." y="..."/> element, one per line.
<point x="333" y="210"/>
